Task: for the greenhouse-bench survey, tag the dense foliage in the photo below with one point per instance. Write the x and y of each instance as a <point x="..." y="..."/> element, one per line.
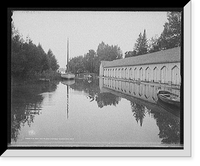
<point x="90" y="62"/>
<point x="169" y="38"/>
<point x="29" y="60"/>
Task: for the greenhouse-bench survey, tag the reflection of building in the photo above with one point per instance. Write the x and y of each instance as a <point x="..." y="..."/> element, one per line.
<point x="144" y="91"/>
<point x="143" y="100"/>
<point x="158" y="67"/>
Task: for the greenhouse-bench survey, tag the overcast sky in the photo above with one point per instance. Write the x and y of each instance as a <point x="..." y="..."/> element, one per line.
<point x="86" y="29"/>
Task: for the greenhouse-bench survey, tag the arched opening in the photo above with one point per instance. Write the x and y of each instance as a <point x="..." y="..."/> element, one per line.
<point x="122" y="73"/>
<point x="147" y="74"/>
<point x="155" y="74"/>
<point x="175" y="75"/>
<point x="163" y="74"/>
<point x="130" y="73"/>
<point x="119" y="73"/>
<point x="116" y="73"/>
<point x="126" y="73"/>
<point x="141" y="74"/>
<point x="135" y="74"/>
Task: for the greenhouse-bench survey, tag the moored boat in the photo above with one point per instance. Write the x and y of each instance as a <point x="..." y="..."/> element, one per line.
<point x="168" y="98"/>
<point x="68" y="75"/>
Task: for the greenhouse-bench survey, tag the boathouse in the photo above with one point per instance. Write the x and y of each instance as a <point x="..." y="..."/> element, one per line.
<point x="161" y="67"/>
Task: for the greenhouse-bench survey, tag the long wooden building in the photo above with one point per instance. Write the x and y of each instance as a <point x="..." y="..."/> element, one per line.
<point x="161" y="67"/>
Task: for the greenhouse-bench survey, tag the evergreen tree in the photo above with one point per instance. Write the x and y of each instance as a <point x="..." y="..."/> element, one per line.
<point x="144" y="45"/>
<point x="138" y="44"/>
<point x="52" y="60"/>
<point x="141" y="45"/>
<point x="171" y="35"/>
<point x="27" y="59"/>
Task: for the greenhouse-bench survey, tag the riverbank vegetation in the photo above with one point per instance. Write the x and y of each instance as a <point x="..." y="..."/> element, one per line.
<point x="30" y="61"/>
<point x="169" y="38"/>
<point x="90" y="62"/>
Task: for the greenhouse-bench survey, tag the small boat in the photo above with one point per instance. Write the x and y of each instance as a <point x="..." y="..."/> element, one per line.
<point x="68" y="76"/>
<point x="169" y="98"/>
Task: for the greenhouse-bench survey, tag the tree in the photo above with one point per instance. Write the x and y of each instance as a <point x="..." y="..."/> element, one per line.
<point x="108" y="53"/>
<point x="141" y="45"/>
<point x="89" y="61"/>
<point x="144" y="45"/>
<point x="130" y="54"/>
<point x="27" y="59"/>
<point x="52" y="60"/>
<point x="76" y="64"/>
<point x="171" y="35"/>
<point x="153" y="45"/>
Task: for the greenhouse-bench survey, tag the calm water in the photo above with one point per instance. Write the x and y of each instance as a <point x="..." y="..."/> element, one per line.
<point x="98" y="112"/>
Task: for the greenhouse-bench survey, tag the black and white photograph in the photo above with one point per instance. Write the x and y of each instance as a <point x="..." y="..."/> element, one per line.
<point x="97" y="80"/>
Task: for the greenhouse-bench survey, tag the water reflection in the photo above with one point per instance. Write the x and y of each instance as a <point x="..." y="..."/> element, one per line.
<point x="68" y="83"/>
<point x="131" y="112"/>
<point x="169" y="126"/>
<point x="26" y="102"/>
<point x="139" y="112"/>
<point x="143" y="100"/>
<point x="145" y="91"/>
<point x="91" y="88"/>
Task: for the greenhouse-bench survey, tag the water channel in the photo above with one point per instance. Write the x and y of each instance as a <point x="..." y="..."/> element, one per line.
<point x="92" y="113"/>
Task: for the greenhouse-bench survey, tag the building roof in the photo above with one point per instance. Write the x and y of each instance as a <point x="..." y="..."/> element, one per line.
<point x="164" y="56"/>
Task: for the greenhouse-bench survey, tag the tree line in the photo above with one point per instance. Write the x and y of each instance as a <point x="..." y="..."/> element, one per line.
<point x="90" y="62"/>
<point x="29" y="60"/>
<point x="169" y="38"/>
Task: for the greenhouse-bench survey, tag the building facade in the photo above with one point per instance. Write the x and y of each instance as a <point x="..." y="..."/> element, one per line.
<point x="161" y="67"/>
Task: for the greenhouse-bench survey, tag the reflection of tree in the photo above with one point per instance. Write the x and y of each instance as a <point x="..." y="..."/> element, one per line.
<point x="26" y="103"/>
<point x="169" y="128"/>
<point x="138" y="112"/>
<point x="93" y="91"/>
<point x="90" y="87"/>
<point x="104" y="99"/>
<point x="168" y="124"/>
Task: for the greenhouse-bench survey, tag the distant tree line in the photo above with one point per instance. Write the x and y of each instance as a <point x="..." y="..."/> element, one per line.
<point x="90" y="62"/>
<point x="169" y="38"/>
<point x="29" y="60"/>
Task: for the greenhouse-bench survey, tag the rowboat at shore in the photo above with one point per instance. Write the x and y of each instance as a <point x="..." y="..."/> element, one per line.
<point x="169" y="98"/>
